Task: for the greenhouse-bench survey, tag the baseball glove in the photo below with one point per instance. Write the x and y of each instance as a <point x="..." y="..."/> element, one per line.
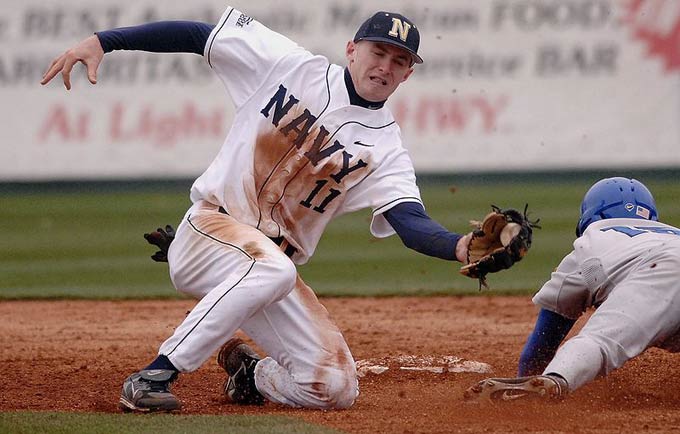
<point x="497" y="242"/>
<point x="161" y="239"/>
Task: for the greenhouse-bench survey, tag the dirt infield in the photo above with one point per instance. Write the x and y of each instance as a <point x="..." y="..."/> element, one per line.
<point x="74" y="355"/>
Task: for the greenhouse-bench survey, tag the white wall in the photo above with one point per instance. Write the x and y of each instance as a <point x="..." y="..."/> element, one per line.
<point x="506" y="84"/>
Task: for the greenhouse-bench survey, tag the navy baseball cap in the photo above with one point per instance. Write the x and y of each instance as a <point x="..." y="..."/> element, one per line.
<point x="391" y="28"/>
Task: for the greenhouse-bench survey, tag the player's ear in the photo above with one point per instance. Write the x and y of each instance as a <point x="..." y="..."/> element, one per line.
<point x="350" y="51"/>
<point x="407" y="74"/>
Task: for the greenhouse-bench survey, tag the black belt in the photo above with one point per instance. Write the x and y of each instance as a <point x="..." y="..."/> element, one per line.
<point x="288" y="250"/>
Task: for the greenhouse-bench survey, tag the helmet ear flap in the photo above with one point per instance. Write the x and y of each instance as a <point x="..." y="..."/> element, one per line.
<point x="581" y="226"/>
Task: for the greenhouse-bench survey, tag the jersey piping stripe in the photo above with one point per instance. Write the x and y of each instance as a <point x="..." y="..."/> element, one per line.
<point x="264" y="184"/>
<point x="328" y="103"/>
<point x="211" y="308"/>
<point x="328" y="91"/>
<point x="358" y="123"/>
<point x="378" y="210"/>
<point x="215" y="35"/>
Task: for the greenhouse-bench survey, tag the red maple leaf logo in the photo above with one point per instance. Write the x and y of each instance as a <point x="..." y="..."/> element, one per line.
<point x="657" y="24"/>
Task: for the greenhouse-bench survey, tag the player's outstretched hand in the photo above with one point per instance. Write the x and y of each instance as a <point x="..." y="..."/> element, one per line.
<point x="88" y="51"/>
<point x="161" y="239"/>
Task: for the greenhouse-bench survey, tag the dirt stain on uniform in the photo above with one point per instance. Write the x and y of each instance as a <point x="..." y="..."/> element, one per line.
<point x="253" y="250"/>
<point x="272" y="149"/>
<point x="220" y="226"/>
<point x="335" y="354"/>
<point x="225" y="229"/>
<point x="293" y="192"/>
<point x="311" y="178"/>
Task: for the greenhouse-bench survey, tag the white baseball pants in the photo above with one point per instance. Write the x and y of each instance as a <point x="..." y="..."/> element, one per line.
<point x="244" y="281"/>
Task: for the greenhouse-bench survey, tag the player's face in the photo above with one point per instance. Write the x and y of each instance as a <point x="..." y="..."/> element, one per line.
<point x="377" y="69"/>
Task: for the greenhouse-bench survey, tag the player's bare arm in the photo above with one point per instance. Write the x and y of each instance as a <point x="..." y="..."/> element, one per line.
<point x="89" y="52"/>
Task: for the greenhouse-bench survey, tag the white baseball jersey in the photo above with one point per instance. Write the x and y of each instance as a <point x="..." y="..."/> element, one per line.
<point x="629" y="269"/>
<point x="298" y="153"/>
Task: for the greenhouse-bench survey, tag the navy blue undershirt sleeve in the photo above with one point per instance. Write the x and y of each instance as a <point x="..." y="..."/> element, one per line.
<point x="550" y="330"/>
<point x="420" y="233"/>
<point x="158" y="37"/>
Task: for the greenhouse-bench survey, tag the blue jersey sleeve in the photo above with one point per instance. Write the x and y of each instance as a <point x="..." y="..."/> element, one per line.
<point x="420" y="233"/>
<point x="549" y="332"/>
<point x="158" y="37"/>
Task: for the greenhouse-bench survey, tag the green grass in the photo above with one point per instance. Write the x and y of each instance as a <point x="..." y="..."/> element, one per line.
<point x="89" y="244"/>
<point x="95" y="423"/>
<point x="85" y="245"/>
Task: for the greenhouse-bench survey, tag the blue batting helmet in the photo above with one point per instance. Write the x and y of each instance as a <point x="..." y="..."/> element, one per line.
<point x="616" y="198"/>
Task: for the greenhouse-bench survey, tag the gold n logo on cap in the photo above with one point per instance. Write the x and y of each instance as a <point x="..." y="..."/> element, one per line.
<point x="399" y="29"/>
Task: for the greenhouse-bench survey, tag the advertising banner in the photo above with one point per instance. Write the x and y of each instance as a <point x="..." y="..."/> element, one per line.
<point x="506" y="85"/>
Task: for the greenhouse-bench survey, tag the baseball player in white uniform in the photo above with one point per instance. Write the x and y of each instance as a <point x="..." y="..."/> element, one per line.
<point x="626" y="264"/>
<point x="310" y="141"/>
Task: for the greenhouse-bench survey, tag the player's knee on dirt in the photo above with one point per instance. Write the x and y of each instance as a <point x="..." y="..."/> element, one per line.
<point x="336" y="389"/>
<point x="345" y="393"/>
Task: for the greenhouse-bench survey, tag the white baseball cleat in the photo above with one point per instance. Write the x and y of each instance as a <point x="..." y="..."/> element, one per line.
<point x="549" y="387"/>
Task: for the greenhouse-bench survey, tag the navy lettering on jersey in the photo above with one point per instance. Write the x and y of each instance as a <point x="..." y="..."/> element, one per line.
<point x="280" y="110"/>
<point x="299" y="128"/>
<point x="306" y="119"/>
<point x="321" y="208"/>
<point x="633" y="231"/>
<point x="346" y="169"/>
<point x="315" y="154"/>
